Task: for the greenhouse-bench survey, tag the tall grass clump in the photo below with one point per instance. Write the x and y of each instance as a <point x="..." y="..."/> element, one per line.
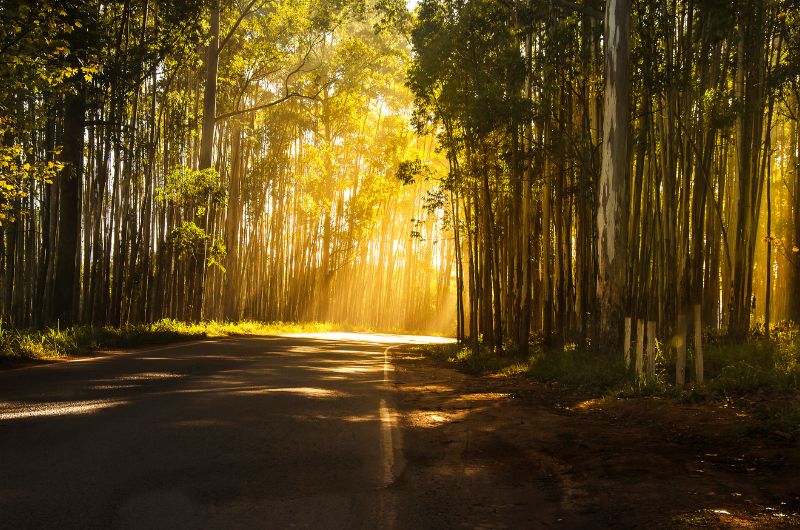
<point x="761" y="365"/>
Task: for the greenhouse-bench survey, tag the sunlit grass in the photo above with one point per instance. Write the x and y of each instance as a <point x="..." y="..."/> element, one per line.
<point x="464" y="358"/>
<point x="215" y="328"/>
<point x="49" y="344"/>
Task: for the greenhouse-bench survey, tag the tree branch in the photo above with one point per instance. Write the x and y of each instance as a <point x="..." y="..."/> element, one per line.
<point x="247" y="10"/>
<point x="263" y="106"/>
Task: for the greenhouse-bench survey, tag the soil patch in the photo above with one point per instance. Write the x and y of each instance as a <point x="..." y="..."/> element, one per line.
<point x="513" y="453"/>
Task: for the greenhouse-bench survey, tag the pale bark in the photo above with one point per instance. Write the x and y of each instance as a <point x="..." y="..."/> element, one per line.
<point x="611" y="225"/>
<point x="679" y="341"/>
<point x="627" y="342"/>
<point x="639" y="348"/>
<point x="651" y="350"/>
<point x="698" y="344"/>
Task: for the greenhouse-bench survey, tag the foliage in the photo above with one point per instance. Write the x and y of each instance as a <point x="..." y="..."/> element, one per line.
<point x="55" y="343"/>
<point x="217" y="254"/>
<point x="468" y="68"/>
<point x="192" y="189"/>
<point x="35" y="59"/>
<point x="188" y="238"/>
<point x="16" y="174"/>
<point x="466" y="359"/>
<point x="409" y="170"/>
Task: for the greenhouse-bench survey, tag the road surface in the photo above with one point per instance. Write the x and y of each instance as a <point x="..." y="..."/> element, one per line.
<point x="269" y="432"/>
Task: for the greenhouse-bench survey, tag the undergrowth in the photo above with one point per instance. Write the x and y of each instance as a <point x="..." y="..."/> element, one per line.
<point x="731" y="368"/>
<point x="569" y="366"/>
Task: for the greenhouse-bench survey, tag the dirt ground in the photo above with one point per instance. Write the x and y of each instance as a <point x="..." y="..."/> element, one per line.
<point x="513" y="453"/>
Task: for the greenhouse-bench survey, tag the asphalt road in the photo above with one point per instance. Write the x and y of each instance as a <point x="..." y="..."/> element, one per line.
<point x="272" y="432"/>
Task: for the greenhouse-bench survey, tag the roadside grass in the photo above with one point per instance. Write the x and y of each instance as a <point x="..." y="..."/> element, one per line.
<point x="48" y="344"/>
<point x="465" y="359"/>
<point x="731" y="368"/>
<point x="569" y="365"/>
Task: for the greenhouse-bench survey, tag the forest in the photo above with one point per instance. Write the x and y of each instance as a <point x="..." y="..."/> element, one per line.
<point x="399" y="264"/>
<point x="197" y="160"/>
<point x="619" y="175"/>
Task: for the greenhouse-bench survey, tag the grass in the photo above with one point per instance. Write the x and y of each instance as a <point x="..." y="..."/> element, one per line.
<point x="755" y="366"/>
<point x="481" y="362"/>
<point x="569" y="366"/>
<point x="731" y="368"/>
<point x="48" y="344"/>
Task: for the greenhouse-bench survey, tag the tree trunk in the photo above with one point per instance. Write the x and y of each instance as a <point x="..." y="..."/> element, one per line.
<point x="197" y="276"/>
<point x="70" y="185"/>
<point x="611" y="205"/>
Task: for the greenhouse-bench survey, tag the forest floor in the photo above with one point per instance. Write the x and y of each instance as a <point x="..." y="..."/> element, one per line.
<point x="645" y="462"/>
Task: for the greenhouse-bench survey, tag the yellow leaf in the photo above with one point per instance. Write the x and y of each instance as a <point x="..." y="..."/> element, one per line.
<point x="795" y="249"/>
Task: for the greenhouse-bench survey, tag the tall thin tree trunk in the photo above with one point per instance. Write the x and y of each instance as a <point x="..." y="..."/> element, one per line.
<point x="611" y="225"/>
<point x="64" y="301"/>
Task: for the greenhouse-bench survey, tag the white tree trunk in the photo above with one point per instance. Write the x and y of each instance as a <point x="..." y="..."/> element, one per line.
<point x="639" y="348"/>
<point x="611" y="209"/>
<point x="680" y="346"/>
<point x="698" y="344"/>
<point x="627" y="342"/>
<point x="651" y="350"/>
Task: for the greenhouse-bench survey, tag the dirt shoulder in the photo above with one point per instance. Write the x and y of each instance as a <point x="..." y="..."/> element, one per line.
<point x="514" y="453"/>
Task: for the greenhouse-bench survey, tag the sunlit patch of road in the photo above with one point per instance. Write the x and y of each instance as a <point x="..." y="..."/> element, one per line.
<point x="14" y="411"/>
<point x="377" y="338"/>
<point x="300" y="391"/>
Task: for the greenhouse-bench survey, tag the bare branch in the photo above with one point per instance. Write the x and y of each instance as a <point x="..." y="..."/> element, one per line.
<point x="245" y="13"/>
<point x="263" y="106"/>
